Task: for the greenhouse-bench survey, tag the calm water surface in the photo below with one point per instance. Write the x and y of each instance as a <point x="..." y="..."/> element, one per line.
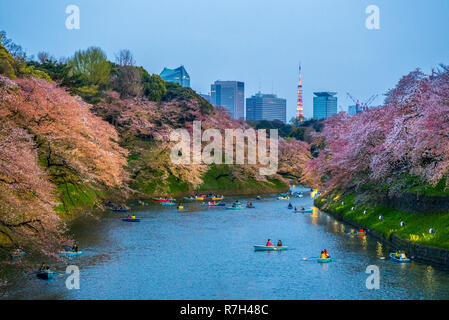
<point x="207" y="253"/>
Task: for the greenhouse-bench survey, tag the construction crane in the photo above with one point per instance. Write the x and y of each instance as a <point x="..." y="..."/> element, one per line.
<point x="361" y="106"/>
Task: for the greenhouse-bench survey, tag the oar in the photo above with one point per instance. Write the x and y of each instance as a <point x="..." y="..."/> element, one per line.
<point x="305" y="259"/>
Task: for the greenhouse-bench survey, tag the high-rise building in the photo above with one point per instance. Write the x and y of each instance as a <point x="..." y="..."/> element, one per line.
<point x="230" y="95"/>
<point x="353" y="110"/>
<point x="178" y="75"/>
<point x="299" y="106"/>
<point x="324" y="105"/>
<point x="266" y="107"/>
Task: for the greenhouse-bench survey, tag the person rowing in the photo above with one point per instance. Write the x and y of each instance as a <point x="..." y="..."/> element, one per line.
<point x="42" y="267"/>
<point x="361" y="230"/>
<point x="290" y="205"/>
<point x="302" y="208"/>
<point x="296" y="208"/>
<point x="75" y="248"/>
<point x="400" y="255"/>
<point x="133" y="217"/>
<point x="269" y="243"/>
<point x="324" y="254"/>
<point x="279" y="243"/>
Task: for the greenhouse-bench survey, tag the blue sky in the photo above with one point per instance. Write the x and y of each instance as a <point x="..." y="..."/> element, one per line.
<point x="258" y="42"/>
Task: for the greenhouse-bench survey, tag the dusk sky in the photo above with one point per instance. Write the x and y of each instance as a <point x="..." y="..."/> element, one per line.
<point x="257" y="42"/>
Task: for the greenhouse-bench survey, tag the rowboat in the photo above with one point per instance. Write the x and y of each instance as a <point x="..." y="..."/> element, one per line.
<point x="163" y="200"/>
<point x="304" y="211"/>
<point x="269" y="248"/>
<point x="393" y="258"/>
<point x="283" y="198"/>
<point x="217" y="199"/>
<point x="120" y="209"/>
<point x="290" y="207"/>
<point x="70" y="253"/>
<point x="258" y="198"/>
<point x="131" y="220"/>
<point x="168" y="203"/>
<point x="234" y="208"/>
<point x="190" y="199"/>
<point x="215" y="205"/>
<point x="324" y="260"/>
<point x="45" y="275"/>
<point x="251" y="207"/>
<point x="199" y="198"/>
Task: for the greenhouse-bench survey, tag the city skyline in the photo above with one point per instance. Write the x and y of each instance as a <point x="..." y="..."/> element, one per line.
<point x="363" y="61"/>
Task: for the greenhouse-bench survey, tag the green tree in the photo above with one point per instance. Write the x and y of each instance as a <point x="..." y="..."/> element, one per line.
<point x="93" y="64"/>
<point x="153" y="86"/>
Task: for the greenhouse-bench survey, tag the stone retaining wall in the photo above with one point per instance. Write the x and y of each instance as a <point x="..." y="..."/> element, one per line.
<point x="420" y="204"/>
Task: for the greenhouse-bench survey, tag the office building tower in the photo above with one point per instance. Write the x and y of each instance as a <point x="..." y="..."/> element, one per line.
<point x="178" y="75"/>
<point x="266" y="107"/>
<point x="229" y="95"/>
<point x="324" y="105"/>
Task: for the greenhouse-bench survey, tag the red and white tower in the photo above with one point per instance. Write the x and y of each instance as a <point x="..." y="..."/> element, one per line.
<point x="299" y="106"/>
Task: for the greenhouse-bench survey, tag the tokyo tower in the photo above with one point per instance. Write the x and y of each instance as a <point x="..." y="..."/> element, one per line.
<point x="299" y="107"/>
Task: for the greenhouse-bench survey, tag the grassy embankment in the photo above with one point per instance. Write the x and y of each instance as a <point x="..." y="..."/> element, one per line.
<point x="416" y="227"/>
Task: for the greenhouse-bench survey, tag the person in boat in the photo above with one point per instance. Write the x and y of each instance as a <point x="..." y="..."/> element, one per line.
<point x="133" y="217"/>
<point x="397" y="255"/>
<point x="269" y="243"/>
<point x="279" y="243"/>
<point x="326" y="253"/>
<point x="323" y="255"/>
<point x="302" y="208"/>
<point x="233" y="205"/>
<point x="75" y="248"/>
<point x="402" y="255"/>
<point x="361" y="230"/>
<point x="42" y="267"/>
<point x="296" y="208"/>
<point x="290" y="205"/>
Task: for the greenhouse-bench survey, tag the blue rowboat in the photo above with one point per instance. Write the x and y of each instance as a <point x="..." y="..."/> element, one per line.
<point x="393" y="258"/>
<point x="251" y="207"/>
<point x="131" y="220"/>
<point x="269" y="248"/>
<point x="168" y="203"/>
<point x="45" y="275"/>
<point x="304" y="211"/>
<point x="120" y="210"/>
<point x="190" y="199"/>
<point x="324" y="260"/>
<point x="70" y="253"/>
<point x="234" y="208"/>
